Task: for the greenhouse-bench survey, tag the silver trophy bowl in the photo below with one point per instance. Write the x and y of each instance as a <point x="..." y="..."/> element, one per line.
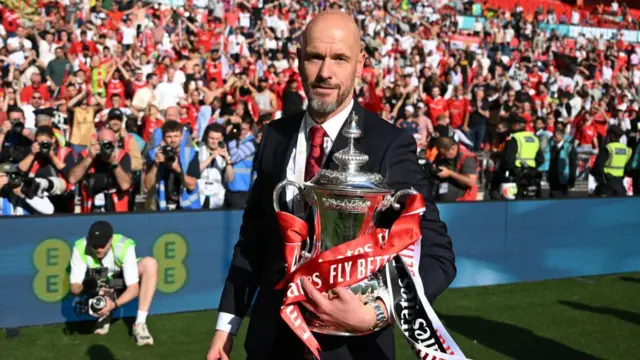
<point x="344" y="204"/>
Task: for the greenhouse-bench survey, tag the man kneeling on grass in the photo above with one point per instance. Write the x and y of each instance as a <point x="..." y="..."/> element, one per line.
<point x="116" y="252"/>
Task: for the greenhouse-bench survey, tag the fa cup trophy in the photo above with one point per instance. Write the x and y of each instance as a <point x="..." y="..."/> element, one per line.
<point x="344" y="204"/>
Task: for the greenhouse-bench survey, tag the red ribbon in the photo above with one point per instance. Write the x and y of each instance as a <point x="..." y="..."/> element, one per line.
<point x="344" y="265"/>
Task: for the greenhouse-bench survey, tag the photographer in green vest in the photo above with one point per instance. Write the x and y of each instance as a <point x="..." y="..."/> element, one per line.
<point x="114" y="254"/>
<point x="612" y="164"/>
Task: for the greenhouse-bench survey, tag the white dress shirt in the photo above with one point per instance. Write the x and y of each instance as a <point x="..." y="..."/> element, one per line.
<point x="295" y="172"/>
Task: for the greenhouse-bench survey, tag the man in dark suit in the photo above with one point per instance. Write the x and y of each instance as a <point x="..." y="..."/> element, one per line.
<point x="295" y="148"/>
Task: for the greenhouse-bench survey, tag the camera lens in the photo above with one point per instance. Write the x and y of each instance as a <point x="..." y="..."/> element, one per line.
<point x="221" y="144"/>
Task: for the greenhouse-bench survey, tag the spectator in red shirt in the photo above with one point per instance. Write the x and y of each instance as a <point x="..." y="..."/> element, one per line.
<point x="436" y="104"/>
<point x="458" y="107"/>
<point x="36" y="86"/>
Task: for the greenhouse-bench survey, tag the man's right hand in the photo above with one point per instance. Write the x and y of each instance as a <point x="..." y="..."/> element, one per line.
<point x="159" y="157"/>
<point x="220" y="348"/>
<point x="35" y="148"/>
<point x="93" y="150"/>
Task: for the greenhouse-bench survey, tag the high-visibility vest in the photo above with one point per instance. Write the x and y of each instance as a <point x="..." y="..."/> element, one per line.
<point x="62" y="142"/>
<point x="120" y="198"/>
<point x="528" y="146"/>
<point x="472" y="193"/>
<point x="619" y="156"/>
<point x="119" y="246"/>
<point x="61" y="154"/>
<point x="189" y="199"/>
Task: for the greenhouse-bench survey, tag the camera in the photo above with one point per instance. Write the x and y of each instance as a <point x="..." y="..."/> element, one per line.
<point x="222" y="144"/>
<point x="234" y="133"/>
<point x="95" y="280"/>
<point x="45" y="147"/>
<point x="18" y="127"/>
<point x="106" y="150"/>
<point x="169" y="154"/>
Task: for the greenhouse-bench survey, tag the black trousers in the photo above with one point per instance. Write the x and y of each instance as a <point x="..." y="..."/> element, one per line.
<point x="558" y="190"/>
<point x="236" y="200"/>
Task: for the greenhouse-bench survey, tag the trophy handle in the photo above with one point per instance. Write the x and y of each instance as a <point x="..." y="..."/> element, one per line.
<point x="394" y="199"/>
<point x="281" y="186"/>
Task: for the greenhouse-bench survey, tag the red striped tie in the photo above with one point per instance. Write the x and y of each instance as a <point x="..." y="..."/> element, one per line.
<point x="316" y="152"/>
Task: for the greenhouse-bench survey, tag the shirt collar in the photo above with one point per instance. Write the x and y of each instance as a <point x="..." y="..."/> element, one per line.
<point x="333" y="125"/>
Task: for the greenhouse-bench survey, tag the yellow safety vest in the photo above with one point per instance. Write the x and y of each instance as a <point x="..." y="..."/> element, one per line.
<point x="619" y="156"/>
<point x="528" y="146"/>
<point x="119" y="245"/>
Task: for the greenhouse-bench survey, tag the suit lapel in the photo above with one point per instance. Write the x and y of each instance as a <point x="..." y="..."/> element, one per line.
<point x="342" y="142"/>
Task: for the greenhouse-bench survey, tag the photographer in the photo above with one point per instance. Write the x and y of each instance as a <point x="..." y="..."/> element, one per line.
<point x="214" y="162"/>
<point x="14" y="197"/>
<point x="14" y="145"/>
<point x="457" y="169"/>
<point x="127" y="277"/>
<point x="173" y="171"/>
<point x="50" y="162"/>
<point x="125" y="140"/>
<point x="105" y="172"/>
<point x="242" y="149"/>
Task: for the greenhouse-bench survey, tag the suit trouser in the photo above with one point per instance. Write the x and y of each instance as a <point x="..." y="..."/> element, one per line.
<point x="558" y="190"/>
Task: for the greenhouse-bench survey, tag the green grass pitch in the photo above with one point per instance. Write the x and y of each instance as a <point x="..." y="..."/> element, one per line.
<point x="577" y="318"/>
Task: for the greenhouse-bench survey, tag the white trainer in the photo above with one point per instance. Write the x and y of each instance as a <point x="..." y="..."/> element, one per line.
<point x="142" y="335"/>
<point x="102" y="326"/>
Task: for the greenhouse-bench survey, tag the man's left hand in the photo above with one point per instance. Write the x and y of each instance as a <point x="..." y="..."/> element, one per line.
<point x="176" y="166"/>
<point x="444" y="172"/>
<point x="344" y="311"/>
<point x="108" y="308"/>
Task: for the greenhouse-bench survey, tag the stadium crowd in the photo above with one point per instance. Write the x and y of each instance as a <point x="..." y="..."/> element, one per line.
<point x="103" y="101"/>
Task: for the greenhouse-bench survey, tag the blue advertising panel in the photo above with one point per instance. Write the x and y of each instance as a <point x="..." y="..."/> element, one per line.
<point x="495" y="243"/>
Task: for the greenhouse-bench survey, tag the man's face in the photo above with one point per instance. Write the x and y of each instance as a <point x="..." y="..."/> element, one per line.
<point x="558" y="137"/>
<point x="36" y="100"/>
<point x="173" y="139"/>
<point x="245" y="130"/>
<point x="15" y="117"/>
<point x="330" y="61"/>
<point x="213" y="139"/>
<point x="101" y="252"/>
<point x="449" y="154"/>
<point x="115" y="125"/>
<point x="43" y="139"/>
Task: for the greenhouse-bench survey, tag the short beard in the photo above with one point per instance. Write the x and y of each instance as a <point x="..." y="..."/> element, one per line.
<point x="326" y="107"/>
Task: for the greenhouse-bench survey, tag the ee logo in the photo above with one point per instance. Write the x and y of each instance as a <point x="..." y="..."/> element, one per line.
<point x="52" y="256"/>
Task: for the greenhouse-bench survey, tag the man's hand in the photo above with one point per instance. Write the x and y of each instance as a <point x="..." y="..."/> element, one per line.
<point x="6" y="126"/>
<point x="159" y="158"/>
<point x="107" y="309"/>
<point x="221" y="344"/>
<point x="444" y="172"/>
<point x="176" y="166"/>
<point x="93" y="150"/>
<point x="344" y="311"/>
<point x="35" y="148"/>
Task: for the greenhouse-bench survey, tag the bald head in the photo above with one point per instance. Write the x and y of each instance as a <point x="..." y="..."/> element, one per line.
<point x="334" y="21"/>
<point x="106" y="135"/>
<point x="330" y="60"/>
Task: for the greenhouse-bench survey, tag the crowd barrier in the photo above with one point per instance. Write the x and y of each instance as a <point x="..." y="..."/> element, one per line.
<point x="633" y="36"/>
<point x="495" y="243"/>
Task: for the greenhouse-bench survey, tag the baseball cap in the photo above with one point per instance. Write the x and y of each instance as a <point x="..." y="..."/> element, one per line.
<point x="8" y="167"/>
<point x="99" y="235"/>
<point x="115" y="114"/>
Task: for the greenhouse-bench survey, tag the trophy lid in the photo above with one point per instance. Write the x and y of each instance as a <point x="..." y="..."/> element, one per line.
<point x="349" y="160"/>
